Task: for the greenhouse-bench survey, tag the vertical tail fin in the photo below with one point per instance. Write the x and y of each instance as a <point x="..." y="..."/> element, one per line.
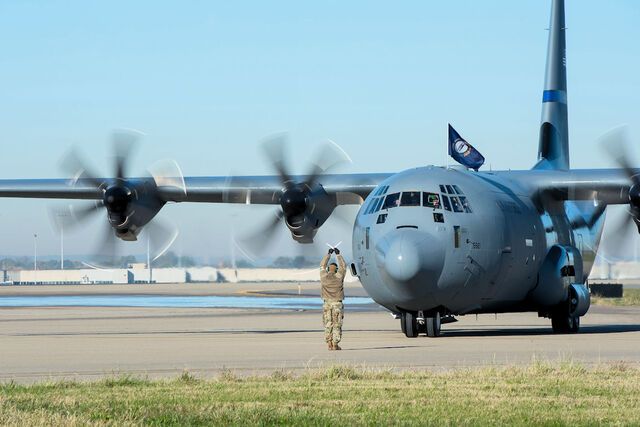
<point x="553" y="149"/>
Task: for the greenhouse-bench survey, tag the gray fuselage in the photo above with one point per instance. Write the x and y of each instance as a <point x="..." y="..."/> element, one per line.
<point x="484" y="256"/>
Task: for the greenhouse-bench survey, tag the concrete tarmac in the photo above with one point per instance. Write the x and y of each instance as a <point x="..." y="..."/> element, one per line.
<point x="90" y="342"/>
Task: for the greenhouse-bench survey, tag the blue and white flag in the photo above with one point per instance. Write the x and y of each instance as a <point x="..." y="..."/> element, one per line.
<point x="463" y="152"/>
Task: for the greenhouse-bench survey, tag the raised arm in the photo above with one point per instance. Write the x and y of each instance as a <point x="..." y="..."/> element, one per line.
<point x="342" y="271"/>
<point x="323" y="266"/>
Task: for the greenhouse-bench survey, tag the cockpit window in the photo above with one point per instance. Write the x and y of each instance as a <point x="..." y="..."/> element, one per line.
<point x="465" y="204"/>
<point x="450" y="189"/>
<point x="442" y="190"/>
<point x="410" y="198"/>
<point x="445" y="203"/>
<point x="455" y="187"/>
<point x="457" y="207"/>
<point x="392" y="201"/>
<point x="370" y="206"/>
<point x="378" y="204"/>
<point x="431" y="200"/>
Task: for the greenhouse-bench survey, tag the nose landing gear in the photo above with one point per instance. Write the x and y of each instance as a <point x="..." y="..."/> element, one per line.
<point x="413" y="325"/>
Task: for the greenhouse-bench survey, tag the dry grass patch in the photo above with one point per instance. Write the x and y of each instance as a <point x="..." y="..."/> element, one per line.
<point x="630" y="297"/>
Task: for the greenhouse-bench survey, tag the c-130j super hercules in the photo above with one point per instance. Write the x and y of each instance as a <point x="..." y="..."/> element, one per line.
<point x="429" y="243"/>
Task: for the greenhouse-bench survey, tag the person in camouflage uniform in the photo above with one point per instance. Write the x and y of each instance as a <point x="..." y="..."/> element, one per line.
<point x="332" y="280"/>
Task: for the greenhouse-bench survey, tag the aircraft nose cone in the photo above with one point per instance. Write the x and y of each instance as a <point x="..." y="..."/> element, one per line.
<point x="402" y="259"/>
<point x="412" y="258"/>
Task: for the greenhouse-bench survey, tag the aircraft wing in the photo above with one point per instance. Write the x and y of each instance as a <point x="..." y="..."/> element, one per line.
<point x="610" y="186"/>
<point x="346" y="188"/>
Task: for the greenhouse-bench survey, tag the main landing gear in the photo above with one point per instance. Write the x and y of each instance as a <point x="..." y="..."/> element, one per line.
<point x="413" y="325"/>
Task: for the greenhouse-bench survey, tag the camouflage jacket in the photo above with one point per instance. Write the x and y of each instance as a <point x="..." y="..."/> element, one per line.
<point x="332" y="283"/>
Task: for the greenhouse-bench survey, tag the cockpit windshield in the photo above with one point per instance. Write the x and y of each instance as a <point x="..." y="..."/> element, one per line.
<point x="410" y="198"/>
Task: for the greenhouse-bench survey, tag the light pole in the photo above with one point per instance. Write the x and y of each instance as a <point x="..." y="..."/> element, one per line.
<point x="35" y="258"/>
<point x="149" y="257"/>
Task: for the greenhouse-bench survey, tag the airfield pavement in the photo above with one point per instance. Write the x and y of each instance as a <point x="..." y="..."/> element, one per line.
<point x="39" y="343"/>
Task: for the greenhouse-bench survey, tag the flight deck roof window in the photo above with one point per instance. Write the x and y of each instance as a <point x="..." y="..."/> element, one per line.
<point x="391" y="201"/>
<point x="450" y="189"/>
<point x="457" y="206"/>
<point x="445" y="203"/>
<point x="457" y="189"/>
<point x="431" y="200"/>
<point x="442" y="190"/>
<point x="410" y="198"/>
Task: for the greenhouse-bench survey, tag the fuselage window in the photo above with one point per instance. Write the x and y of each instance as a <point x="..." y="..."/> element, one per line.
<point x="457" y="207"/>
<point x="442" y="189"/>
<point x="438" y="217"/>
<point x="445" y="203"/>
<point x="410" y="198"/>
<point x="381" y="218"/>
<point x="431" y="200"/>
<point x="465" y="204"/>
<point x="455" y="187"/>
<point x="450" y="190"/>
<point x="370" y="206"/>
<point x="366" y="207"/>
<point x="379" y="204"/>
<point x="392" y="200"/>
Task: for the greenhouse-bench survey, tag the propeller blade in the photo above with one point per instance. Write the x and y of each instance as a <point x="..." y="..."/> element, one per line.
<point x="167" y="173"/>
<point x="76" y="167"/>
<point x="105" y="253"/>
<point x="616" y="143"/>
<point x="258" y="242"/>
<point x="328" y="156"/>
<point x="124" y="141"/>
<point x="274" y="148"/>
<point x="161" y="236"/>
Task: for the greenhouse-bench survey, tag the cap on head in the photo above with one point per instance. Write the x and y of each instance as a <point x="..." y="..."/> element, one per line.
<point x="334" y="265"/>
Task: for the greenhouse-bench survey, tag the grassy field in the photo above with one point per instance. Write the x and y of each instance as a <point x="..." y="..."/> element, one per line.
<point x="630" y="297"/>
<point x="537" y="394"/>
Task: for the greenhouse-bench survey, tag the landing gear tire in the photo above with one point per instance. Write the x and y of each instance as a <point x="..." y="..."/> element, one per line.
<point x="409" y="325"/>
<point x="433" y="325"/>
<point x="565" y="324"/>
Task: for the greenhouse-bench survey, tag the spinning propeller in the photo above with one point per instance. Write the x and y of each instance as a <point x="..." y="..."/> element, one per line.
<point x="616" y="142"/>
<point x="130" y="203"/>
<point x="304" y="204"/>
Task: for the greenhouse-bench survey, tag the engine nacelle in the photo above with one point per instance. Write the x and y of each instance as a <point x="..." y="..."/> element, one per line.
<point x="130" y="207"/>
<point x="560" y="268"/>
<point x="318" y="206"/>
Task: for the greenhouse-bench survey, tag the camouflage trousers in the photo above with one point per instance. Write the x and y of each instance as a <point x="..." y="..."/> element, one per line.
<point x="332" y="315"/>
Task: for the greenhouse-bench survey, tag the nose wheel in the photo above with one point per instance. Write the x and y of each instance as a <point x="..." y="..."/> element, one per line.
<point x="411" y="328"/>
<point x="409" y="325"/>
<point x="432" y="324"/>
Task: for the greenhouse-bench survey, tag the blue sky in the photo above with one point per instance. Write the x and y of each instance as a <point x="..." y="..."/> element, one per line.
<point x="207" y="80"/>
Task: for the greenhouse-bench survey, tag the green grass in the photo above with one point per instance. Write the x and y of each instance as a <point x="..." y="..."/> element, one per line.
<point x="630" y="297"/>
<point x="538" y="394"/>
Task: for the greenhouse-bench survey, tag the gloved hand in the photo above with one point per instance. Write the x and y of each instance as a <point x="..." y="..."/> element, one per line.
<point x="337" y="251"/>
<point x="330" y="251"/>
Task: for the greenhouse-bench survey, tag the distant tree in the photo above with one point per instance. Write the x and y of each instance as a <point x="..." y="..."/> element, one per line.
<point x="282" y="262"/>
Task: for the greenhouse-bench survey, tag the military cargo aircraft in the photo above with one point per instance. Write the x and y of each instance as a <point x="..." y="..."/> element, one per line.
<point x="429" y="243"/>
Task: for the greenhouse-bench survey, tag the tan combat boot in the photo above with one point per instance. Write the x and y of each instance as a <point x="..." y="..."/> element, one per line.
<point x="336" y="346"/>
<point x="330" y="343"/>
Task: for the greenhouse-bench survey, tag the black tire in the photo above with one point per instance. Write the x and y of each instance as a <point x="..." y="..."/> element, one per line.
<point x="433" y="325"/>
<point x="565" y="324"/>
<point x="410" y="325"/>
<point x="403" y="324"/>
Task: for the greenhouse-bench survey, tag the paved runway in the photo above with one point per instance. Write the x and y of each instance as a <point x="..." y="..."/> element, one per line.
<point x="88" y="342"/>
